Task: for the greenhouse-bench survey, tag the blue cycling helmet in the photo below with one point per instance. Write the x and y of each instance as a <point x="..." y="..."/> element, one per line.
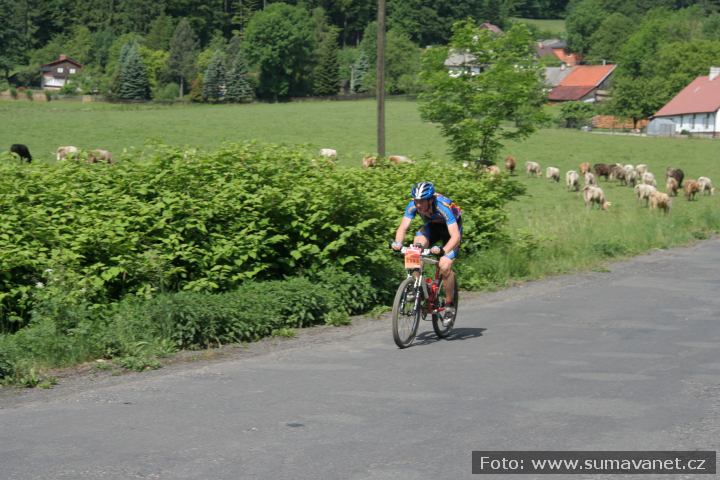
<point x="422" y="191"/>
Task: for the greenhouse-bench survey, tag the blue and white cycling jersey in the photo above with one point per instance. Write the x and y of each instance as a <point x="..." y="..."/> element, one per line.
<point x="445" y="211"/>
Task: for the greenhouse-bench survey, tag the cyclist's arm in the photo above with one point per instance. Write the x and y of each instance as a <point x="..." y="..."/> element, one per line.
<point x="454" y="241"/>
<point x="402" y="229"/>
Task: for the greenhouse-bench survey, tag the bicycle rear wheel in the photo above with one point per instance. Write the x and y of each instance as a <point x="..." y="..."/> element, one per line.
<point x="406" y="313"/>
<point x="441" y="330"/>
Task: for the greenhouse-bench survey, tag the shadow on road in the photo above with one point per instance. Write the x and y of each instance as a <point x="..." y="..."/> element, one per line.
<point x="429" y="336"/>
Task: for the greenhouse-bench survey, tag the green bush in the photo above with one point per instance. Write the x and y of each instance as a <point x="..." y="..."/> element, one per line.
<point x="209" y="222"/>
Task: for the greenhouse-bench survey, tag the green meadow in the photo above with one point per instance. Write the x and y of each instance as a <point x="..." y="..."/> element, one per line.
<point x="550" y="230"/>
<point x="553" y="25"/>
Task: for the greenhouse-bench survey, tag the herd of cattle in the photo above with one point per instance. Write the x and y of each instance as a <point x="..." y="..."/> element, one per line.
<point x="68" y="152"/>
<point x="638" y="177"/>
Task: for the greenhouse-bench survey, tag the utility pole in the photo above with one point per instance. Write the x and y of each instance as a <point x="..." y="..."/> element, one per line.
<point x="381" y="79"/>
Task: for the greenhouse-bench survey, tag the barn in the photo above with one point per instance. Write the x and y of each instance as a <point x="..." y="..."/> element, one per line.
<point x="695" y="109"/>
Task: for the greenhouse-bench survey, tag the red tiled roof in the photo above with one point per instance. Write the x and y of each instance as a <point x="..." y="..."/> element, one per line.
<point x="568" y="58"/>
<point x="587" y="75"/>
<point x="562" y="93"/>
<point x="61" y="59"/>
<point x="702" y="95"/>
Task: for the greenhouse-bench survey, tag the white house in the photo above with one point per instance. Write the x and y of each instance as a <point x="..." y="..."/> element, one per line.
<point x="55" y="74"/>
<point x="695" y="108"/>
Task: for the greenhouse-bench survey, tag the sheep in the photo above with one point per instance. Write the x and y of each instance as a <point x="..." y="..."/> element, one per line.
<point x="21" y="151"/>
<point x="369" y="161"/>
<point x="602" y="170"/>
<point x="671" y="185"/>
<point x="706" y="185"/>
<point x="66" y="152"/>
<point x="648" y="179"/>
<point x="584" y="168"/>
<point x="328" y="152"/>
<point x="398" y="159"/>
<point x="643" y="192"/>
<point x="590" y="179"/>
<point x="493" y="170"/>
<point x="553" y="173"/>
<point x="691" y="188"/>
<point x="99" y="155"/>
<point x="660" y="200"/>
<point x="533" y="168"/>
<point x="675" y="173"/>
<point x="572" y="180"/>
<point x="641" y="168"/>
<point x="510" y="164"/>
<point x="595" y="195"/>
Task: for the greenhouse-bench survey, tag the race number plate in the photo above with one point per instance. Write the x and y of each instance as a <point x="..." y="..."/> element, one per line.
<point x="412" y="257"/>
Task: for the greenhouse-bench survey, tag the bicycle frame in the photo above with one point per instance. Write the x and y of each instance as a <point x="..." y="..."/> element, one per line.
<point x="429" y="286"/>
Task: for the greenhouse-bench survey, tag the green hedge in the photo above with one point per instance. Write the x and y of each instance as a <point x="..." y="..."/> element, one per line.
<point x="210" y="222"/>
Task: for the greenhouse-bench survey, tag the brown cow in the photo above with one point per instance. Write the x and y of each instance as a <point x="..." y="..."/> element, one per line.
<point x="99" y="155"/>
<point x="691" y="189"/>
<point x="510" y="164"/>
<point x="584" y="168"/>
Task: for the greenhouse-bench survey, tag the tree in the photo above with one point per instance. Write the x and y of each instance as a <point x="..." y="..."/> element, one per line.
<point x="327" y="72"/>
<point x="478" y="110"/>
<point x="134" y="84"/>
<point x="637" y="99"/>
<point x="238" y="87"/>
<point x="280" y="41"/>
<point x="183" y="49"/>
<point x="575" y="114"/>
<point x="11" y="46"/>
<point x="610" y="36"/>
<point x="360" y="69"/>
<point x="583" y="19"/>
<point x="160" y="33"/>
<point x="214" y="80"/>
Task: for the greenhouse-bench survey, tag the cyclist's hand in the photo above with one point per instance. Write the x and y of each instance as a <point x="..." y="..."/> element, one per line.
<point x="435" y="250"/>
<point x="396" y="246"/>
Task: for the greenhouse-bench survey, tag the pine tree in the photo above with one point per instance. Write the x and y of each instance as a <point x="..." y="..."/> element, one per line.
<point x="238" y="87"/>
<point x="214" y="81"/>
<point x="327" y="72"/>
<point x="134" y="83"/>
<point x="117" y="80"/>
<point x="183" y="50"/>
<point x="360" y="69"/>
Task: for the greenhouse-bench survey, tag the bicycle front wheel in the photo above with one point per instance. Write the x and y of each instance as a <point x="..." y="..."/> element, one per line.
<point x="406" y="313"/>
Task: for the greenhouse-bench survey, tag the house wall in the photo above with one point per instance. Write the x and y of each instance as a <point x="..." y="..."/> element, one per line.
<point x="696" y="122"/>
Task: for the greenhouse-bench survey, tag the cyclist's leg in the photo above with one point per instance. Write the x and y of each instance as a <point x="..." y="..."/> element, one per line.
<point x="422" y="236"/>
<point x="439" y="233"/>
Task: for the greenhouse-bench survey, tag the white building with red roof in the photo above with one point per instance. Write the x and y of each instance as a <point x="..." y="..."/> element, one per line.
<point x="695" y="108"/>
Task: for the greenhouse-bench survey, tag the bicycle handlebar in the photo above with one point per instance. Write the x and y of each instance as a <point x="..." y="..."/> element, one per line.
<point x="425" y="252"/>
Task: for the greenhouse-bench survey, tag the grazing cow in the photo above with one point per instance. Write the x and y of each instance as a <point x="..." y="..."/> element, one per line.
<point x="328" y="152"/>
<point x="595" y="195"/>
<point x="691" y="189"/>
<point x="675" y="173"/>
<point x="67" y="152"/>
<point x="649" y="179"/>
<point x="369" y="161"/>
<point x="553" y="173"/>
<point x="533" y="168"/>
<point x="584" y="168"/>
<point x="589" y="178"/>
<point x="706" y="185"/>
<point x="619" y="174"/>
<point x="572" y="180"/>
<point x="510" y="164"/>
<point x="640" y="169"/>
<point x="21" y="151"/>
<point x="99" y="155"/>
<point x="643" y="192"/>
<point x="631" y="177"/>
<point x="602" y="170"/>
<point x="671" y="185"/>
<point x="660" y="200"/>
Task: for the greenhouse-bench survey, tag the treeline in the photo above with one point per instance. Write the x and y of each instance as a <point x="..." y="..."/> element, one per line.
<point x="241" y="48"/>
<point x="660" y="46"/>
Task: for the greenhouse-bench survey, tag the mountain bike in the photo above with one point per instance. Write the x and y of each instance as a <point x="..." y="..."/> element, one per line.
<point x="420" y="297"/>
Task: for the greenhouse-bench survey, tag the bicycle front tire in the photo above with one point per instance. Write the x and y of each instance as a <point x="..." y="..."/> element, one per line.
<point x="406" y="313"/>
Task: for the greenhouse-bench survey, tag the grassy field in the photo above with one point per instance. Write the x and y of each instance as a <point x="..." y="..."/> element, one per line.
<point x="549" y="223"/>
<point x="554" y="26"/>
<point x="347" y="126"/>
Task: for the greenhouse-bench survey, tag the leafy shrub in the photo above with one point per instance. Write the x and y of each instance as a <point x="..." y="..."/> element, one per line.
<point x="575" y="114"/>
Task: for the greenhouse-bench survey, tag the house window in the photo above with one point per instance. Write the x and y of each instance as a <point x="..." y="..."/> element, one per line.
<point x="61" y="69"/>
<point x="72" y="70"/>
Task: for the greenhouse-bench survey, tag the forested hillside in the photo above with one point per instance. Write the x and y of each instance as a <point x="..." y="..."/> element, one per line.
<point x="269" y="48"/>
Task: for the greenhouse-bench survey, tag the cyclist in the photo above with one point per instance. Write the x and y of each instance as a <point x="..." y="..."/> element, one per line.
<point x="443" y="222"/>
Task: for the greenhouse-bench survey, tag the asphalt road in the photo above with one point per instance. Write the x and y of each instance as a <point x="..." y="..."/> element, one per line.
<point x="622" y="360"/>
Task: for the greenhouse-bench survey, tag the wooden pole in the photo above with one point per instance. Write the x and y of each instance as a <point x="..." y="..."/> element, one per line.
<point x="381" y="79"/>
